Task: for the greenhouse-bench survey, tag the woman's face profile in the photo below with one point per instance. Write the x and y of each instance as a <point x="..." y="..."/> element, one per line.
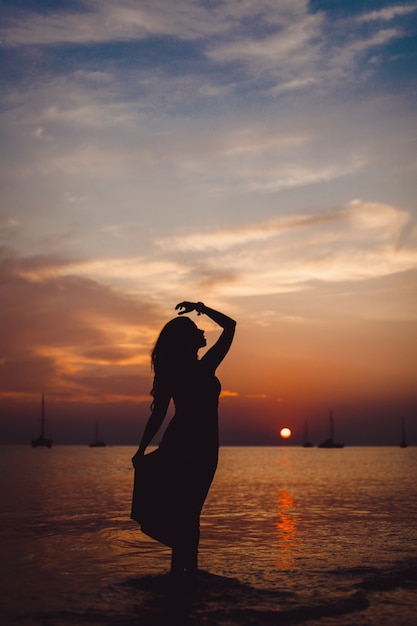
<point x="200" y="338"/>
<point x="195" y="336"/>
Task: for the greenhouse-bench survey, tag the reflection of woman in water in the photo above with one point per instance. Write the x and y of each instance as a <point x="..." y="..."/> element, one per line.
<point x="172" y="483"/>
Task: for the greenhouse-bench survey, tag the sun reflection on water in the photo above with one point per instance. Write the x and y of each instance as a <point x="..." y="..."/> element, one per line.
<point x="287" y="537"/>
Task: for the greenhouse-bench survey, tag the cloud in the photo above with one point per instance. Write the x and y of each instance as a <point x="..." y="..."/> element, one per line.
<point x="7" y="226"/>
<point x="307" y="51"/>
<point x="387" y="14"/>
<point x="286" y="42"/>
<point x="290" y="47"/>
<point x="293" y="85"/>
<point x="280" y="254"/>
<point x="72" y="335"/>
<point x="283" y="254"/>
<point x="378" y="39"/>
<point x="237" y="237"/>
<point x="256" y="396"/>
<point x="98" y="23"/>
<point x="100" y="192"/>
<point x="115" y="131"/>
<point x="228" y="394"/>
<point x="286" y="253"/>
<point x="98" y="139"/>
<point x="345" y="57"/>
<point x="103" y="20"/>
<point x="132" y="274"/>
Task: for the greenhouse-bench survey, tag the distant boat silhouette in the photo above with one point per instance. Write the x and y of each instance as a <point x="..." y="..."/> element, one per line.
<point x="42" y="441"/>
<point x="403" y="443"/>
<point x="307" y="443"/>
<point x="330" y="442"/>
<point x="97" y="443"/>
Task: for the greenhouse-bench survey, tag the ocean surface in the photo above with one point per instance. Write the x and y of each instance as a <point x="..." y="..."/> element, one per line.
<point x="289" y="536"/>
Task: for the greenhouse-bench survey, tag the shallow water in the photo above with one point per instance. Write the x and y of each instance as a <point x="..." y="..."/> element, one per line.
<point x="289" y="535"/>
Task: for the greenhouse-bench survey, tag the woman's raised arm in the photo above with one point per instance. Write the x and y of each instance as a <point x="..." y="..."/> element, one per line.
<point x="154" y="423"/>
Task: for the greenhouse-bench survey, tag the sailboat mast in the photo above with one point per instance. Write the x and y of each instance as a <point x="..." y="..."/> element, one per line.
<point x="403" y="443"/>
<point x="331" y="425"/>
<point x="43" y="416"/>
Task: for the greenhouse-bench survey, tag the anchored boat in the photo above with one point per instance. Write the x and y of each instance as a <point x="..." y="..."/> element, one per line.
<point x="330" y="442"/>
<point x="403" y="443"/>
<point x="307" y="443"/>
<point x="97" y="443"/>
<point x="42" y="441"/>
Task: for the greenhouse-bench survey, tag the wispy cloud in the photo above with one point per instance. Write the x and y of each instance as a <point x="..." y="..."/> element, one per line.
<point x="287" y="253"/>
<point x="291" y="47"/>
<point x="378" y="39"/>
<point x="389" y="13"/>
<point x="103" y="20"/>
<point x="361" y="241"/>
<point x="289" y="37"/>
<point x="294" y="85"/>
<point x="235" y="153"/>
<point x="229" y="238"/>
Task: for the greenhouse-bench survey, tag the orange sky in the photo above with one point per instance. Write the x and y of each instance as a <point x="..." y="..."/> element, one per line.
<point x="87" y="346"/>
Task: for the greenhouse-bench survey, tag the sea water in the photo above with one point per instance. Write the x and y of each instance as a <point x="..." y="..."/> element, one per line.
<point x="288" y="535"/>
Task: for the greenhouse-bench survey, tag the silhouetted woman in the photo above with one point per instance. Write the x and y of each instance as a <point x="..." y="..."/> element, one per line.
<point x="171" y="483"/>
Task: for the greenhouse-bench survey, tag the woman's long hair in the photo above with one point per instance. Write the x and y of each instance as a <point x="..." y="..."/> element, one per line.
<point x="174" y="350"/>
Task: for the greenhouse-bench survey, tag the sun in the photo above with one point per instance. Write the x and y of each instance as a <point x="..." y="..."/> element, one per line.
<point x="285" y="433"/>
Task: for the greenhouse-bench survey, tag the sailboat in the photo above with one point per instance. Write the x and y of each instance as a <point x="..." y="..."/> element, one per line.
<point x="42" y="441"/>
<point x="307" y="443"/>
<point x="97" y="443"/>
<point x="330" y="442"/>
<point x="403" y="443"/>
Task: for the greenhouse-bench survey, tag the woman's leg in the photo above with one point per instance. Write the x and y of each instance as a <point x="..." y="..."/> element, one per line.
<point x="177" y="561"/>
<point x="191" y="552"/>
<point x="184" y="557"/>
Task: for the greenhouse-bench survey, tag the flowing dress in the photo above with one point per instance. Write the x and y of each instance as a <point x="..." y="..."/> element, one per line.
<point x="171" y="483"/>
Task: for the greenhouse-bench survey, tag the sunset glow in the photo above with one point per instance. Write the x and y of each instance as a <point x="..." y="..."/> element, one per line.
<point x="258" y="157"/>
<point x="285" y="433"/>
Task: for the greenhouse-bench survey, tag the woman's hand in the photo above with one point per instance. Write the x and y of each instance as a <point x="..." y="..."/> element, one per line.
<point x="187" y="306"/>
